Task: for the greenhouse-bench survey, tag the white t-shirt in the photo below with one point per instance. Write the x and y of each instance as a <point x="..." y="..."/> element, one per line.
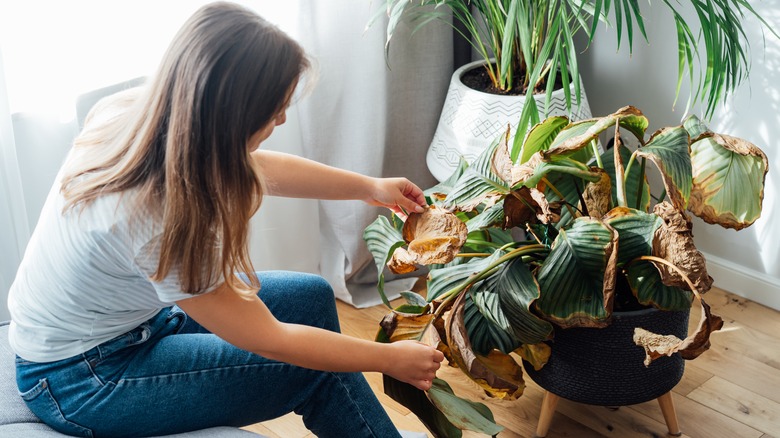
<point x="84" y="278"/>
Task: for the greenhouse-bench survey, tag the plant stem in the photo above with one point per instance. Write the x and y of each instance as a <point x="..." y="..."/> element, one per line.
<point x="596" y="153"/>
<point x="453" y="293"/>
<point x="674" y="267"/>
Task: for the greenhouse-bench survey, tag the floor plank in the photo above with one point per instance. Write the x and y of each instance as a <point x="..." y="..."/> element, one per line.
<point x="739" y="403"/>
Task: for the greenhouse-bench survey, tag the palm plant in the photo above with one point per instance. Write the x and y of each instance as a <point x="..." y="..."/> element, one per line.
<point x="529" y="45"/>
<point x="516" y="249"/>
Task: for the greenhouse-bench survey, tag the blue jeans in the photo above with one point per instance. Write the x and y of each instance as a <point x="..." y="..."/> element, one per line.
<point x="169" y="375"/>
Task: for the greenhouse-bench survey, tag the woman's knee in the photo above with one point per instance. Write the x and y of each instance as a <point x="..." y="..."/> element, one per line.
<point x="299" y="297"/>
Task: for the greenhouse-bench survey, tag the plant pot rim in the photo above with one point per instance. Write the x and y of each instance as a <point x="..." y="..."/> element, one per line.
<point x="460" y="71"/>
<point x="640" y="312"/>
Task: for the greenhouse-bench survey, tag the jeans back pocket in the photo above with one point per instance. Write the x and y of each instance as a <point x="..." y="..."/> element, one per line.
<point x="43" y="404"/>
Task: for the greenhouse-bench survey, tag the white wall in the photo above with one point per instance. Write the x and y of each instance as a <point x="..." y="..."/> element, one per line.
<point x="744" y="262"/>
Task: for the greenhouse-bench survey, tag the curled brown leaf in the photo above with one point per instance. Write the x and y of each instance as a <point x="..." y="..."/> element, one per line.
<point x="526" y="205"/>
<point x="598" y="194"/>
<point x="693" y="346"/>
<point x="434" y="236"/>
<point x="673" y="241"/>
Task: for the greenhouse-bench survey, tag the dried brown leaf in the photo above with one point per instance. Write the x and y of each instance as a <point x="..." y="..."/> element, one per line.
<point x="400" y="326"/>
<point x="526" y="205"/>
<point x="502" y="162"/>
<point x="402" y="262"/>
<point x="673" y="242"/>
<point x="598" y="194"/>
<point x="693" y="346"/>
<point x="497" y="373"/>
<point x="526" y="170"/>
<point x="434" y="236"/>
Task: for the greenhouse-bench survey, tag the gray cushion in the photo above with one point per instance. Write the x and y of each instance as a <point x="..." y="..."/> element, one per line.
<point x="16" y="420"/>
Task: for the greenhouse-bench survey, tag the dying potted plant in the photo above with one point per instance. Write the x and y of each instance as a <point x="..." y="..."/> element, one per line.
<point x="523" y="254"/>
<point x="526" y="45"/>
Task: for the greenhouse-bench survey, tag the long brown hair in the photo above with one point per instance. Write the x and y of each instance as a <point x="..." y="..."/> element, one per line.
<point x="183" y="142"/>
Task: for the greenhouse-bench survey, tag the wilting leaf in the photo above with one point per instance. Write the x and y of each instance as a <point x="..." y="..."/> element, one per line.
<point x="402" y="262"/>
<point x="526" y="205"/>
<point x="577" y="280"/>
<point x="728" y="181"/>
<point x="636" y="231"/>
<point x="637" y="187"/>
<point x="693" y="346"/>
<point x="598" y="194"/>
<point x="645" y="283"/>
<point x="501" y="164"/>
<point x="524" y="172"/>
<point x="517" y="291"/>
<point x="669" y="150"/>
<point x="400" y="326"/>
<point x="434" y="236"/>
<point x="498" y="374"/>
<point x="579" y="134"/>
<point x="535" y="354"/>
<point x="464" y="414"/>
<point x="417" y="401"/>
<point x="673" y="242"/>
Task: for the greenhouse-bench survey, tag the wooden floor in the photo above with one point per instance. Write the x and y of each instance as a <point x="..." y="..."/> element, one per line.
<point x="731" y="391"/>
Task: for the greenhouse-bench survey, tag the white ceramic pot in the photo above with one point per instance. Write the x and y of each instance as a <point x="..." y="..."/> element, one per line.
<point x="471" y="120"/>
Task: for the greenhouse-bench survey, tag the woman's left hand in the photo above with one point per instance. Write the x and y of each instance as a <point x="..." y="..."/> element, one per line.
<point x="398" y="194"/>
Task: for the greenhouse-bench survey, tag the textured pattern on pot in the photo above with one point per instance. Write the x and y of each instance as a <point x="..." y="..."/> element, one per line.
<point x="471" y="120"/>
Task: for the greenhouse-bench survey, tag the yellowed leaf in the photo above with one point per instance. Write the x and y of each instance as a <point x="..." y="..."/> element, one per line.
<point x="400" y="326"/>
<point x="535" y="354"/>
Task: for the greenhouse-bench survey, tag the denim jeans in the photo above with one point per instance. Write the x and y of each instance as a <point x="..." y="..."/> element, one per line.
<point x="169" y="375"/>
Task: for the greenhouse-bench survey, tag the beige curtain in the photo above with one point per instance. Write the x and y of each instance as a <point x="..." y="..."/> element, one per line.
<point x="369" y="115"/>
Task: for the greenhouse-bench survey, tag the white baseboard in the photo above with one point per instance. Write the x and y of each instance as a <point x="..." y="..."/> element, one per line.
<point x="745" y="282"/>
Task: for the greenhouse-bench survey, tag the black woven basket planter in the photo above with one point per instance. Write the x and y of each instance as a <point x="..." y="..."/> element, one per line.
<point x="604" y="366"/>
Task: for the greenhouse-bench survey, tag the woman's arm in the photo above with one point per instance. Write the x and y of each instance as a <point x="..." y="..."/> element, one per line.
<point x="248" y="324"/>
<point x="296" y="177"/>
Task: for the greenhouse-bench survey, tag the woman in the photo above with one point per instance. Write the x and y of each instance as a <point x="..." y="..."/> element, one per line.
<point x="152" y="209"/>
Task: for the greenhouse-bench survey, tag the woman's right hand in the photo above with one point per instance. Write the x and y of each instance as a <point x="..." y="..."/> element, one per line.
<point x="414" y="363"/>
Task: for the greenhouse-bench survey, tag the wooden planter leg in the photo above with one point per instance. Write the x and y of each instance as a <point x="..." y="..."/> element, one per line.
<point x="545" y="417"/>
<point x="670" y="416"/>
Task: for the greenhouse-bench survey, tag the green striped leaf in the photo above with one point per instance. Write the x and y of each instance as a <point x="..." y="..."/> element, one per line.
<point x="670" y="151"/>
<point x="382" y="238"/>
<point x="636" y="230"/>
<point x="646" y="284"/>
<point x="574" y="292"/>
<point x="517" y="291"/>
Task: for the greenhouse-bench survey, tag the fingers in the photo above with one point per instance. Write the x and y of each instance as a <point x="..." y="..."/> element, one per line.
<point x="423" y="384"/>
